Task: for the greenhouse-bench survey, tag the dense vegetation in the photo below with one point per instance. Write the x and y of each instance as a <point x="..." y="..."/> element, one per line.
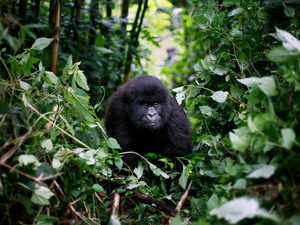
<point x="236" y="71"/>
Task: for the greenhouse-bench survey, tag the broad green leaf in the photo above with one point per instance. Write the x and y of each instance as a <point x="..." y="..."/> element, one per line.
<point x="25" y="160"/>
<point x="206" y="110"/>
<point x="235" y="12"/>
<point x="268" y="86"/>
<point x="157" y="171"/>
<point x="280" y="54"/>
<point x="56" y="164"/>
<point x="219" y="96"/>
<point x="240" y="184"/>
<point x="177" y="220"/>
<point x="51" y="77"/>
<point x="41" y="195"/>
<point x="213" y="202"/>
<point x="81" y="80"/>
<point x="239" y="209"/>
<point x="249" y="81"/>
<point x="265" y="171"/>
<point x="219" y="70"/>
<point x="113" y="143"/>
<point x="288" y="40"/>
<point x="25" y="86"/>
<point x="184" y="177"/>
<point x="135" y="185"/>
<point x="41" y="43"/>
<point x="88" y="156"/>
<point x="288" y="137"/>
<point x="46" y="220"/>
<point x="104" y="50"/>
<point x="139" y="171"/>
<point x="98" y="188"/>
<point x="47" y="144"/>
<point x="240" y="139"/>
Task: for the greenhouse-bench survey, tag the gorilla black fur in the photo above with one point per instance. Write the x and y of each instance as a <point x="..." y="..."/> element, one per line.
<point x="144" y="117"/>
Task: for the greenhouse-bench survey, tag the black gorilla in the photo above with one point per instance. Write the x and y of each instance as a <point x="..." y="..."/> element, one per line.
<point x="144" y="117"/>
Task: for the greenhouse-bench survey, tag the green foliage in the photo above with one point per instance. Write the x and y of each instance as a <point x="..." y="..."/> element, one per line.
<point x="243" y="98"/>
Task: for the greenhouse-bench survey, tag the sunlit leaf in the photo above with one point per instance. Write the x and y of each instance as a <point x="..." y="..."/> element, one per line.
<point x="288" y="137"/>
<point x="219" y="96"/>
<point x="41" y="43"/>
<point x="25" y="86"/>
<point x="25" y="160"/>
<point x="239" y="209"/>
<point x="265" y="171"/>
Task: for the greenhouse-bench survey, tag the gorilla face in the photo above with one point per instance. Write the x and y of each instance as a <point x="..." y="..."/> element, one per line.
<point x="147" y="114"/>
<point x="148" y="107"/>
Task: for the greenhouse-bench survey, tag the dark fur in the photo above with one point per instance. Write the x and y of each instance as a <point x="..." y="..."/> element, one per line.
<point x="122" y="121"/>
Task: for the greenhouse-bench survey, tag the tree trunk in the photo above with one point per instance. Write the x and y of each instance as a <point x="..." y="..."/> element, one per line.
<point x="55" y="43"/>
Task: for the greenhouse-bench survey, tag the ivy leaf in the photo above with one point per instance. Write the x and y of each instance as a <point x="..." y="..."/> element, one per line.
<point x="219" y="96"/>
<point x="41" y="43"/>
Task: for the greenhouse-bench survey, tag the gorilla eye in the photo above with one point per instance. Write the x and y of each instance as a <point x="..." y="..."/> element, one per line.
<point x="155" y="103"/>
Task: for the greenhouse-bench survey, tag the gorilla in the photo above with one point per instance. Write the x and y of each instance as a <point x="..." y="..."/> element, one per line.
<point x="144" y="117"/>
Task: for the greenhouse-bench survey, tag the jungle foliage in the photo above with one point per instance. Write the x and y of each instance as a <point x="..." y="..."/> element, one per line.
<point x="237" y="75"/>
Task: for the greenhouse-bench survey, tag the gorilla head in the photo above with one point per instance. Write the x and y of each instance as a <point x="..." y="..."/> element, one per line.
<point x="147" y="103"/>
<point x="144" y="117"/>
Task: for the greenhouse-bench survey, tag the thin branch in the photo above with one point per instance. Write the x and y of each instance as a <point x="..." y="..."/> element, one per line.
<point x="183" y="197"/>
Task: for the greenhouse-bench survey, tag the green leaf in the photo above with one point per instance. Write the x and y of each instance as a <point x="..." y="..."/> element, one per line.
<point x="41" y="195"/>
<point x="113" y="143"/>
<point x="213" y="202"/>
<point x="51" y="78"/>
<point x="81" y="80"/>
<point x="236" y="12"/>
<point x="265" y="171"/>
<point x="239" y="209"/>
<point x="25" y="86"/>
<point x="206" y="110"/>
<point x="240" y="184"/>
<point x="98" y="188"/>
<point x="219" y="96"/>
<point x="288" y="137"/>
<point x="178" y="221"/>
<point x="41" y="43"/>
<point x="280" y="55"/>
<point x="267" y="85"/>
<point x="184" y="177"/>
<point x="139" y="171"/>
<point x="25" y="160"/>
<point x="47" y="144"/>
<point x="240" y="139"/>
<point x="288" y="40"/>
<point x="157" y="171"/>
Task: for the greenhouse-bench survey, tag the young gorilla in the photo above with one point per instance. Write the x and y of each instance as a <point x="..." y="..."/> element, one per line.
<point x="144" y="117"/>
